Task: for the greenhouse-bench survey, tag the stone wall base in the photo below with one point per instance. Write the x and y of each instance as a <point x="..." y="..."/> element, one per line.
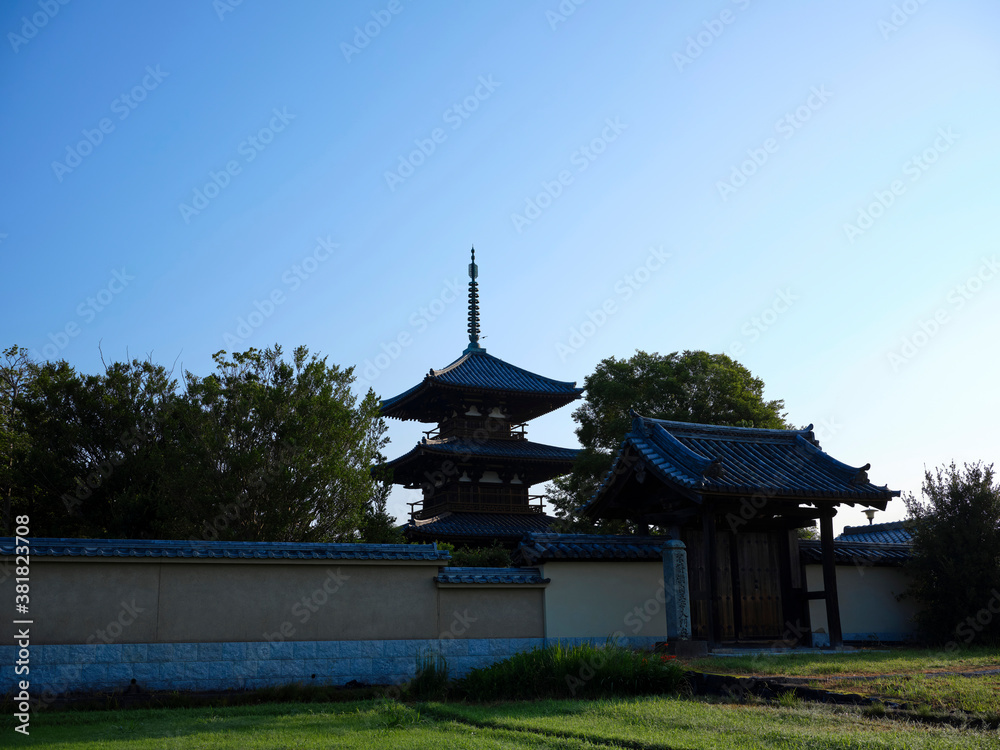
<point x="55" y="670"/>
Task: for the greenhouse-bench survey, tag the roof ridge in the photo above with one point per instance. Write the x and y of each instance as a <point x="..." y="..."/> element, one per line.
<point x="867" y="529"/>
<point x="701" y="427"/>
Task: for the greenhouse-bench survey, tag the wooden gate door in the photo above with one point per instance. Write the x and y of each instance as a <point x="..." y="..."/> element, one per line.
<point x="698" y="583"/>
<point x="757" y="576"/>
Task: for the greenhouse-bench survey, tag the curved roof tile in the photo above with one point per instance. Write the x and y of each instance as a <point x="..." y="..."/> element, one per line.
<point x="711" y="458"/>
<point x="61" y="547"/>
<point x="526" y="576"/>
<point x="479" y="371"/>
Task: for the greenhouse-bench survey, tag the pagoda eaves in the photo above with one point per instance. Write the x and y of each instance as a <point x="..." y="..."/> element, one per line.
<point x="479" y="376"/>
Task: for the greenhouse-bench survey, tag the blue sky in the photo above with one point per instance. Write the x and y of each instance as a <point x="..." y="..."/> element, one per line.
<point x="810" y="188"/>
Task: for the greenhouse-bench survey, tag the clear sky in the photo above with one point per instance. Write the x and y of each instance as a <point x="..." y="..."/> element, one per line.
<point x="808" y="187"/>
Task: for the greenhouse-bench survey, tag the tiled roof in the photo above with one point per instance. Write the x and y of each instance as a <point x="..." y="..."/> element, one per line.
<point x="541" y="547"/>
<point x="479" y="371"/>
<point x="450" y="524"/>
<point x="893" y="532"/>
<point x="42" y="547"/>
<point x="741" y="460"/>
<point x="538" y="548"/>
<point x="529" y="576"/>
<point x="856" y="553"/>
<point x="496" y="448"/>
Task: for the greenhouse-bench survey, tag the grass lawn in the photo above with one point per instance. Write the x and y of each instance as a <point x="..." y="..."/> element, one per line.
<point x="862" y="662"/>
<point x="929" y="678"/>
<point x="655" y="722"/>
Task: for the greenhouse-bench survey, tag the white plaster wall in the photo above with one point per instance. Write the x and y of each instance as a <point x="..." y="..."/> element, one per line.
<point x="869" y="609"/>
<point x="599" y="599"/>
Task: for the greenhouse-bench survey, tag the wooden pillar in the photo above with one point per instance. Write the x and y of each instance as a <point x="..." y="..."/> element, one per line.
<point x="792" y="626"/>
<point x="713" y="626"/>
<point x="734" y="570"/>
<point x="830" y="581"/>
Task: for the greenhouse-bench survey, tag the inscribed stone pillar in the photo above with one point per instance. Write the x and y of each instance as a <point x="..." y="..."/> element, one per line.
<point x="675" y="584"/>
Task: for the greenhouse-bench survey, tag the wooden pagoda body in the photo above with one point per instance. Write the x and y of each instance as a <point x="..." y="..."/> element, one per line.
<point x="475" y="469"/>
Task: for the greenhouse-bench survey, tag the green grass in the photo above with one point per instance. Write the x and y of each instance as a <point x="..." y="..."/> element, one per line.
<point x="374" y="725"/>
<point x="975" y="695"/>
<point x="669" y="722"/>
<point x="865" y="662"/>
<point x="583" y="671"/>
<point x="654" y="722"/>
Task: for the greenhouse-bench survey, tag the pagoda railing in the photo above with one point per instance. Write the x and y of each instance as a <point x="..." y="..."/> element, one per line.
<point x="477" y="429"/>
<point x="419" y="514"/>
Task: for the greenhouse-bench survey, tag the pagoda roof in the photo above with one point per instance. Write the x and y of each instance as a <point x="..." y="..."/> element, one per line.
<point x="480" y="373"/>
<point x="470" y="449"/>
<point x="509" y="527"/>
<point x="700" y="459"/>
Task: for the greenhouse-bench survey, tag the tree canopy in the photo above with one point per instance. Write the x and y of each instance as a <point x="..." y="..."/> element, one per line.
<point x="693" y="386"/>
<point x="262" y="449"/>
<point x="955" y="564"/>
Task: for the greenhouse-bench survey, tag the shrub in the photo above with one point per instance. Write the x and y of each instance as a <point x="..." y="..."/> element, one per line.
<point x="583" y="671"/>
<point x="955" y="566"/>
<point x="485" y="557"/>
<point x="431" y="680"/>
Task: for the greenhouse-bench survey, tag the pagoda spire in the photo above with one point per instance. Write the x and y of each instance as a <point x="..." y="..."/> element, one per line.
<point x="473" y="307"/>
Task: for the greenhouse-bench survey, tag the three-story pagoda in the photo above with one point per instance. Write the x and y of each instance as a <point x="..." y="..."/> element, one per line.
<point x="476" y="468"/>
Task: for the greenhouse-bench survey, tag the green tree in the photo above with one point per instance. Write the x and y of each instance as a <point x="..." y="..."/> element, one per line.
<point x="16" y="372"/>
<point x="278" y="451"/>
<point x="693" y="386"/>
<point x="95" y="454"/>
<point x="378" y="526"/>
<point x="955" y="565"/>
<point x="261" y="450"/>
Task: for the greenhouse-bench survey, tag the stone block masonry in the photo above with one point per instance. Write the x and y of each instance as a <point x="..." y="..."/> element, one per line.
<point x="88" y="668"/>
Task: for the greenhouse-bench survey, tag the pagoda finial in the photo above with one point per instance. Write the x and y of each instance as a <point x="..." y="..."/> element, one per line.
<point x="473" y="307"/>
